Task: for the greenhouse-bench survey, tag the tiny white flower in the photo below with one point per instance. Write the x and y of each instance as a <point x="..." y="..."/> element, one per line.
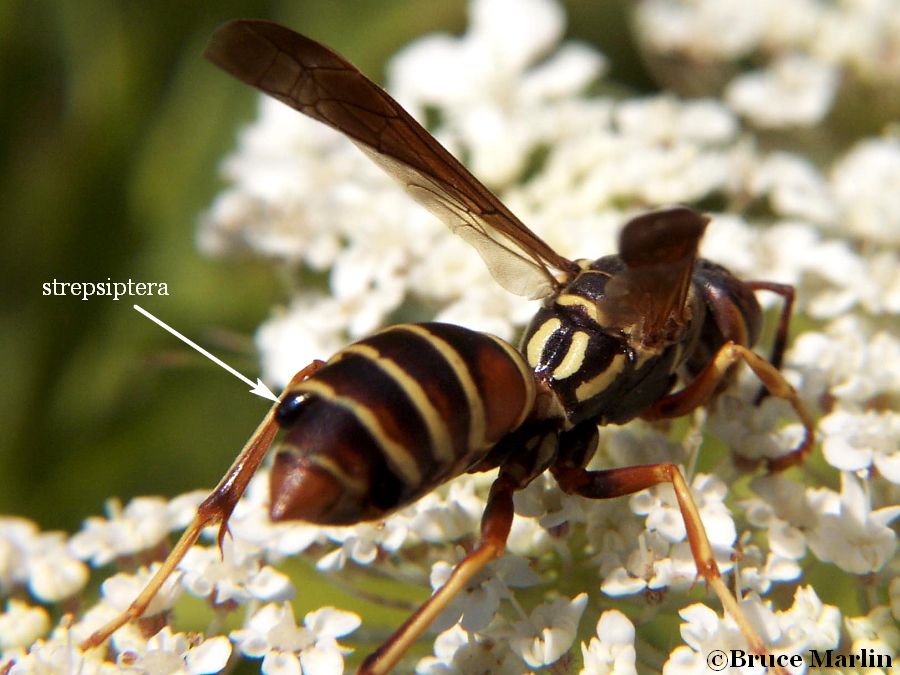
<point x="22" y="624"/>
<point x="857" y="441"/>
<point x="848" y="361"/>
<point x="549" y="631"/>
<point x="877" y="631"/>
<point x="234" y="575"/>
<point x="447" y="515"/>
<point x="624" y="580"/>
<point x="752" y="431"/>
<point x="612" y="651"/>
<point x="58" y="657"/>
<point x="808" y="624"/>
<point x="784" y="509"/>
<point x="140" y="526"/>
<point x="121" y="589"/>
<point x="848" y="532"/>
<point x="795" y="90"/>
<point x="661" y="507"/>
<point x="702" y="30"/>
<point x="128" y="636"/>
<point x="287" y="343"/>
<point x="663" y="556"/>
<point x="273" y="634"/>
<point x="53" y="574"/>
<point x="568" y="70"/>
<point x="863" y="36"/>
<point x="40" y="560"/>
<point x="664" y="119"/>
<point x="759" y="570"/>
<point x="866" y="184"/>
<point x="475" y="606"/>
<point x="458" y="652"/>
<point x="704" y="632"/>
<point x="484" y="106"/>
<point x="168" y="653"/>
<point x="362" y="542"/>
<point x="795" y="188"/>
<point x="17" y="537"/>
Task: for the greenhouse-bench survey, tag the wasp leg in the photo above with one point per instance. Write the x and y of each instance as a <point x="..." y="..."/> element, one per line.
<point x="784" y="323"/>
<point x="576" y="480"/>
<point x="495" y="525"/>
<point x="216" y="508"/>
<point x="702" y="388"/>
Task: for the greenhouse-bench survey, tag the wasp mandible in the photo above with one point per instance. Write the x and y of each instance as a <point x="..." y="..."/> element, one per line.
<point x="392" y="416"/>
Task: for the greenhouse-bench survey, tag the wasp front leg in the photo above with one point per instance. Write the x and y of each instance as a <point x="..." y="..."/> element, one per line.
<point x="704" y="386"/>
<point x="779" y="344"/>
<point x="576" y="449"/>
<point x="215" y="509"/>
<point x="786" y="291"/>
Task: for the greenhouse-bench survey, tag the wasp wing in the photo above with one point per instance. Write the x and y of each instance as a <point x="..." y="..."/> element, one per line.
<point x="314" y="80"/>
<point x="649" y="299"/>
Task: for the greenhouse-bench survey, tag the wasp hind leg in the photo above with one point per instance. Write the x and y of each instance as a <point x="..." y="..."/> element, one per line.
<point x="574" y="479"/>
<point x="215" y="509"/>
<point x="495" y="525"/>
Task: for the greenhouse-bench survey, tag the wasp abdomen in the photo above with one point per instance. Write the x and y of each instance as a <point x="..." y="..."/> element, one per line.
<point x="392" y="416"/>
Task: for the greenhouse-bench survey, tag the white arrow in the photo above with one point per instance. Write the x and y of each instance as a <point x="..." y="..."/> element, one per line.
<point x="259" y="388"/>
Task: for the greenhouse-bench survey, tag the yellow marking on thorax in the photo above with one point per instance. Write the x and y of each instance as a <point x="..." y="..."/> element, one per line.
<point x="535" y="347"/>
<point x="590" y="388"/>
<point x="400" y="458"/>
<point x="574" y="300"/>
<point x="438" y="434"/>
<point x="477" y="423"/>
<point x="574" y="358"/>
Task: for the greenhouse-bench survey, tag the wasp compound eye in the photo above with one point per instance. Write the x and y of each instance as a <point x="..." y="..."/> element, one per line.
<point x="290" y="409"/>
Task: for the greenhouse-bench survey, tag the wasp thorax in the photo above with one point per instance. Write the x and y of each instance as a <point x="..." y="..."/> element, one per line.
<point x="583" y="345"/>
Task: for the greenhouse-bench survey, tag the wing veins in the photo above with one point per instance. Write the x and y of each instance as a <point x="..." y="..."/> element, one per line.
<point x="324" y="86"/>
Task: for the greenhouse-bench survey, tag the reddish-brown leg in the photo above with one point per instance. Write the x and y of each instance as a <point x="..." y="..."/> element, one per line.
<point x="495" y="526"/>
<point x="216" y="508"/>
<point x="576" y="480"/>
<point x="702" y="387"/>
<point x="784" y="323"/>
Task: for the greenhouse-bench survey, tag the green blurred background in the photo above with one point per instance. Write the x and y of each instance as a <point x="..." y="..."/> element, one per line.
<point x="112" y="129"/>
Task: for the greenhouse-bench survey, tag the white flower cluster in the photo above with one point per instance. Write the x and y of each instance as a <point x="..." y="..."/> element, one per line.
<point x="512" y="99"/>
<point x="810" y="53"/>
<point x="239" y="577"/>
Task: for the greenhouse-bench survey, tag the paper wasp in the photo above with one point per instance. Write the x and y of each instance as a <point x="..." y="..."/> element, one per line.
<point x="396" y="414"/>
